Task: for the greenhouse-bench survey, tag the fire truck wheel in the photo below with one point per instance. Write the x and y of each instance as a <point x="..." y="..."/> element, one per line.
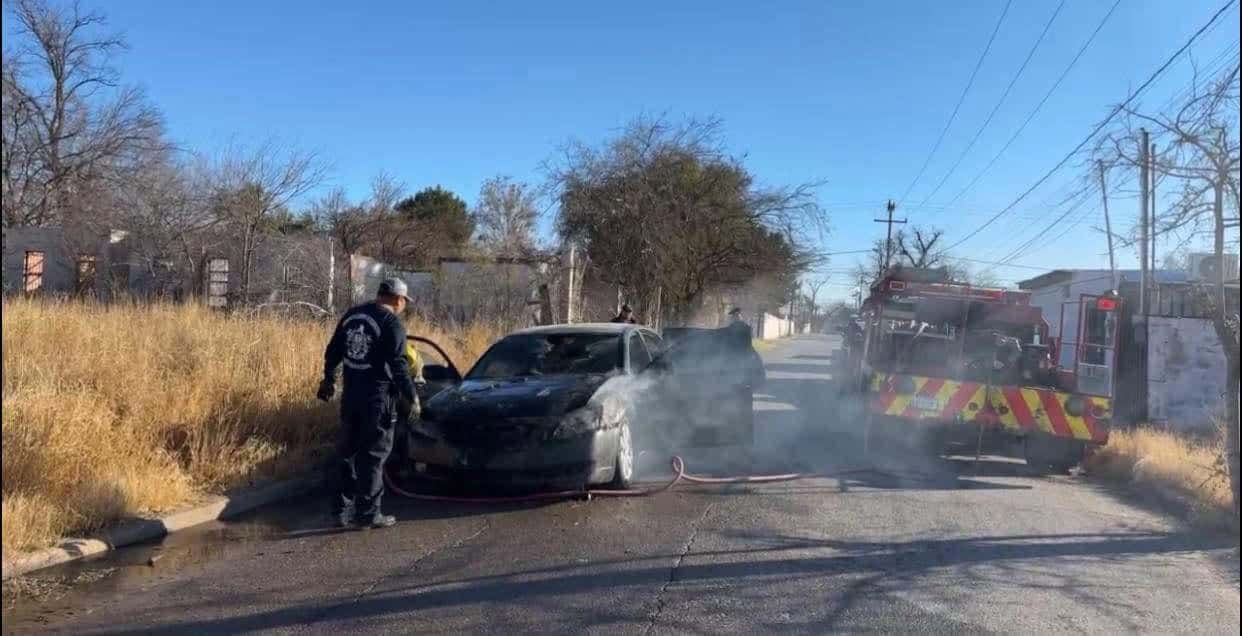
<point x="1054" y="455"/>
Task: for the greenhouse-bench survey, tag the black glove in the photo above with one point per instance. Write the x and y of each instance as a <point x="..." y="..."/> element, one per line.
<point x="326" y="389"/>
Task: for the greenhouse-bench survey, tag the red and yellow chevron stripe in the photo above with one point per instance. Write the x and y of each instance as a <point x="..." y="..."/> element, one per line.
<point x="1011" y="407"/>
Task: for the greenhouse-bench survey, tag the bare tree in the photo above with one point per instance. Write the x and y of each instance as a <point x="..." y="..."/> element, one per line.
<point x="813" y="287"/>
<point x="1201" y="150"/>
<point x="165" y="207"/>
<point x="359" y="226"/>
<point x="68" y="124"/>
<point x="253" y="186"/>
<point x="872" y="269"/>
<point x="506" y="215"/>
<point x="919" y="250"/>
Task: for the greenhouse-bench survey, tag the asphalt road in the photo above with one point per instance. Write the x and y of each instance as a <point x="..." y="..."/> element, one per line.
<point x="924" y="546"/>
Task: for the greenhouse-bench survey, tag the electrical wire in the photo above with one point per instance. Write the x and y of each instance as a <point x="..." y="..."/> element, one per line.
<point x="1117" y="109"/>
<point x="1214" y="67"/>
<point x="970" y="83"/>
<point x="1065" y="73"/>
<point x="997" y="107"/>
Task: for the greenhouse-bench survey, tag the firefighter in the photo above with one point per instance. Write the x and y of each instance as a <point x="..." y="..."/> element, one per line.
<point x="626" y="315"/>
<point x="738" y="326"/>
<point x="370" y="343"/>
<point x="409" y="411"/>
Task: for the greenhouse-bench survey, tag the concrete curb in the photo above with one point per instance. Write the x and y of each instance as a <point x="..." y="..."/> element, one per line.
<point x="140" y="530"/>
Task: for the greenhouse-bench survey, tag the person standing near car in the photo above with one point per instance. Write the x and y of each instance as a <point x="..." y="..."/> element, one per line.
<point x="626" y="315"/>
<point x="369" y="342"/>
<point x="738" y="327"/>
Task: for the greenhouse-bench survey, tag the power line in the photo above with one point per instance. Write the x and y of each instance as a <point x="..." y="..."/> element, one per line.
<point x="1076" y="200"/>
<point x="960" y="101"/>
<point x="999" y="264"/>
<point x="1060" y="164"/>
<point x="1210" y="73"/>
<point x="1016" y="253"/>
<point x="999" y="103"/>
<point x="842" y="253"/>
<point x="1214" y="66"/>
<point x="1019" y="231"/>
<point x="1065" y="73"/>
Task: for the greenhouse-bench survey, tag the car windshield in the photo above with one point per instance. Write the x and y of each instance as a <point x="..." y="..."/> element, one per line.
<point x="549" y="354"/>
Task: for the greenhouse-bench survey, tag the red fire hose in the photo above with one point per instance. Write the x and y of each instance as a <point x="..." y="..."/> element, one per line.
<point x="679" y="475"/>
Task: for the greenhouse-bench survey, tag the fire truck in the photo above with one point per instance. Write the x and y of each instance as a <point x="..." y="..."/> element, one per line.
<point x="945" y="363"/>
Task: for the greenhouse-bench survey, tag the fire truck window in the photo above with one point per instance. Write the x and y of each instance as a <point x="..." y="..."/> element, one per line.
<point x="1096" y="336"/>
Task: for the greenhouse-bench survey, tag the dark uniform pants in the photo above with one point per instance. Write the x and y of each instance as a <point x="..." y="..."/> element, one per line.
<point x="365" y="441"/>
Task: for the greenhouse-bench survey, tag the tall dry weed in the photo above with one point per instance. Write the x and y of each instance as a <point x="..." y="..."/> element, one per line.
<point x="1166" y="461"/>
<point x="112" y="411"/>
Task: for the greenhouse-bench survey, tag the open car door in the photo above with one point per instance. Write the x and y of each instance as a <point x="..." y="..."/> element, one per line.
<point x="439" y="372"/>
<point x="706" y="384"/>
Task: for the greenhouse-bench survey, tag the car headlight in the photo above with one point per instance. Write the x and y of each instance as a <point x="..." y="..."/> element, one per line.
<point x="577" y="423"/>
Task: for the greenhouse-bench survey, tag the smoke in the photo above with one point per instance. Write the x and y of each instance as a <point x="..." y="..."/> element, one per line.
<point x="804" y="419"/>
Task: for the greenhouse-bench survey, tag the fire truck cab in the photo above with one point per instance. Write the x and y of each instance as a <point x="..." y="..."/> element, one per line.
<point x="948" y="363"/>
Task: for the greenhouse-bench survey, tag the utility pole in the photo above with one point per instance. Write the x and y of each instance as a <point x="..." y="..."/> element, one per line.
<point x="1108" y="226"/>
<point x="1144" y="203"/>
<point x="1151" y="224"/>
<point x="888" y="242"/>
<point x="1151" y="170"/>
<point x="569" y="286"/>
<point x="1144" y="183"/>
<point x="331" y="274"/>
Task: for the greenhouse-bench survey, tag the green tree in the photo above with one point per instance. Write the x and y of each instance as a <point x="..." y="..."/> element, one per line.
<point x="665" y="207"/>
<point x="434" y="222"/>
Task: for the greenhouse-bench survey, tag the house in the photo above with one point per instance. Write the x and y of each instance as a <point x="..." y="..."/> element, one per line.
<point x="1170" y="366"/>
<point x="106" y="265"/>
<point x="82" y="262"/>
<point x="468" y="289"/>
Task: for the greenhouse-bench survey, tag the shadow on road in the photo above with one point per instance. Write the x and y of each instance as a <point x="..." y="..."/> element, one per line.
<point x="882" y="562"/>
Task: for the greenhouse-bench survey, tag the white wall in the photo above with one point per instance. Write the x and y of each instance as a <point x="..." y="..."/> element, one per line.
<point x="1066" y="296"/>
<point x="1186" y="373"/>
<point x="774" y="327"/>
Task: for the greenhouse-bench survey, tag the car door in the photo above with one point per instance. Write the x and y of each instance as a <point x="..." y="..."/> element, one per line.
<point x="439" y="372"/>
<point x="696" y="387"/>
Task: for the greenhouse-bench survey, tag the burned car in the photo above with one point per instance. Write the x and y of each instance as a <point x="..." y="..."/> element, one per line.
<point x="561" y="405"/>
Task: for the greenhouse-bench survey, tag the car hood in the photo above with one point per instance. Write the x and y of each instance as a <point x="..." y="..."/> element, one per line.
<point x="528" y="396"/>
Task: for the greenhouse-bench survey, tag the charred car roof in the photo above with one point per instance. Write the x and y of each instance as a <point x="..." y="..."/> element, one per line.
<point x="602" y="328"/>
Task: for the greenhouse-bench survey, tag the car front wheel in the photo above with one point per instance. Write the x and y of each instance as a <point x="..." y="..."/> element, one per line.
<point x="623" y="468"/>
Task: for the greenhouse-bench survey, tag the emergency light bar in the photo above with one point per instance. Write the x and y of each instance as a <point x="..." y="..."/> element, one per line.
<point x="982" y="293"/>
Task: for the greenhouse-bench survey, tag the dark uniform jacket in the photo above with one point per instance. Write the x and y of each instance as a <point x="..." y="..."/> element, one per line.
<point x="370" y="343"/>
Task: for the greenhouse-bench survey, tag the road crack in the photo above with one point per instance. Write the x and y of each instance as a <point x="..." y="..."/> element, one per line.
<point x="673" y="571"/>
<point x="407" y="569"/>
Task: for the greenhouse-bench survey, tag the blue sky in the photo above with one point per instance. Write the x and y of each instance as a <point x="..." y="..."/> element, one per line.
<point x="854" y="93"/>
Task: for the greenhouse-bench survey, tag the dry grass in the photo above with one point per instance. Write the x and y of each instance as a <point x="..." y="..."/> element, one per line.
<point x="112" y="411"/>
<point x="1166" y="463"/>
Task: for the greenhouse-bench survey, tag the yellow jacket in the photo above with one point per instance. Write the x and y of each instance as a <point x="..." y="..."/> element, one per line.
<point x="415" y="360"/>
